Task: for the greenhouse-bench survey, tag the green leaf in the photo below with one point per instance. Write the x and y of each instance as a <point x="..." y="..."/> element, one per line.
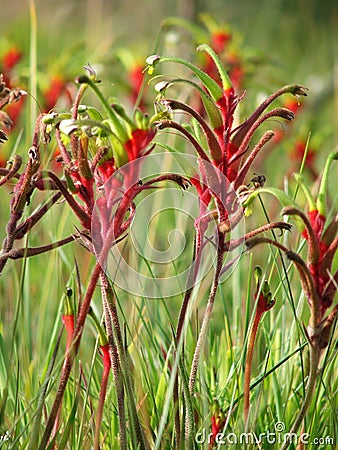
<point x="210" y="84"/>
<point x="282" y="197"/>
<point x="226" y="82"/>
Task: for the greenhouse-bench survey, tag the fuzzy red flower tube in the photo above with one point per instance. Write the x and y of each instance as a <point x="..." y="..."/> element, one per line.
<point x="264" y="302"/>
<point x="68" y="320"/>
<point x="217" y="423"/>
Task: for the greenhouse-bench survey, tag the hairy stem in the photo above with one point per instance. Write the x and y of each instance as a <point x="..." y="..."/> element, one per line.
<point x="114" y="335"/>
<point x="103" y="390"/>
<point x="207" y="316"/>
<point x="69" y="360"/>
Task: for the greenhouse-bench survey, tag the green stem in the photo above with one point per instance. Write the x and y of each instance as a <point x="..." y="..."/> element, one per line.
<point x="32" y="63"/>
<point x="113" y="120"/>
<point x="321" y="206"/>
<point x="314" y="361"/>
<point x="211" y="85"/>
<point x="300" y="180"/>
<point x="109" y="110"/>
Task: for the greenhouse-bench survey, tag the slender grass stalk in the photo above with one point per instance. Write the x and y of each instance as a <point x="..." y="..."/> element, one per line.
<point x="37" y="420"/>
<point x="310" y="386"/>
<point x="71" y="419"/>
<point x="32" y="65"/>
<point x="179" y="334"/>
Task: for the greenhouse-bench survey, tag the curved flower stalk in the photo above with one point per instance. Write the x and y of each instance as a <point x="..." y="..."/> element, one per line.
<point x="224" y="153"/>
<point x="318" y="282"/>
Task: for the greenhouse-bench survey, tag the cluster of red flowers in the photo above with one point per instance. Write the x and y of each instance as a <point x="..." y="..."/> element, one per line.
<point x="322" y="243"/>
<point x="8" y="63"/>
<point x="49" y="96"/>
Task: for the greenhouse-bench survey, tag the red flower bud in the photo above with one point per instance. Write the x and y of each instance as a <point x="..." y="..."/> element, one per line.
<point x="54" y="91"/>
<point x="10" y="59"/>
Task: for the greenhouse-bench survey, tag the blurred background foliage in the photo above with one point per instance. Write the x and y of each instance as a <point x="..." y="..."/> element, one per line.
<point x="286" y="41"/>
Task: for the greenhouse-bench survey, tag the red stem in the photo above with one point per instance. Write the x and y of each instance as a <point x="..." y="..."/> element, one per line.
<point x="68" y="321"/>
<point x="69" y="359"/>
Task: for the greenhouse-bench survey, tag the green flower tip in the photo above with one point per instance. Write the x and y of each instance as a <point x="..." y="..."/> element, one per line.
<point x="266" y="291"/>
<point x="269" y="300"/>
<point x="91" y="71"/>
<point x="68" y="307"/>
<point x="48" y="119"/>
<point x="257" y="273"/>
<point x="161" y="86"/>
<point x="152" y="61"/>
<point x="215" y="407"/>
<point x="90" y="78"/>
